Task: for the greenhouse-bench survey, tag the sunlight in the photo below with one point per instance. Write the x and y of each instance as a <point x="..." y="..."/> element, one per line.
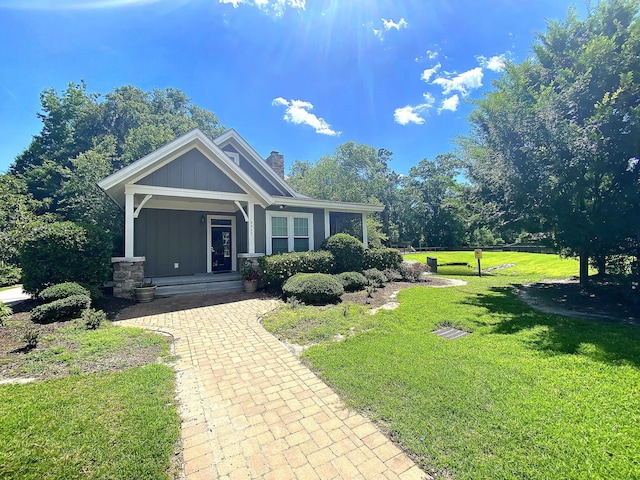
<point x="74" y="4"/>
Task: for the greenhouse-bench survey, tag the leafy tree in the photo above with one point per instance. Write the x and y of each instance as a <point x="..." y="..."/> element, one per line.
<point x="555" y="145"/>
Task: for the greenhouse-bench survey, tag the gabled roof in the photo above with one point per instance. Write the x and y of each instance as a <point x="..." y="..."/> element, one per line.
<point x="235" y="139"/>
<point x="114" y="184"/>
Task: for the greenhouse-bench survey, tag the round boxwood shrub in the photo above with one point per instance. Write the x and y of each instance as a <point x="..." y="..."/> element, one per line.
<point x="382" y="258"/>
<point x="347" y="251"/>
<point x="62" y="290"/>
<point x="64" y="252"/>
<point x="375" y="277"/>
<point x="352" y="281"/>
<point x="313" y="288"/>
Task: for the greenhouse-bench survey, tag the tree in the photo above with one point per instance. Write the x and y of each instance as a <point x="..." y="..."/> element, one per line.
<point x="554" y="145"/>
<point x="354" y="173"/>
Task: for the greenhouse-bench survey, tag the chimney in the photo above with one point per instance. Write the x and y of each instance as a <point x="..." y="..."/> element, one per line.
<point x="276" y="162"/>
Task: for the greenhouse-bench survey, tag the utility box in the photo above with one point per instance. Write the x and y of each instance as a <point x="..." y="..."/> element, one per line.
<point x="432" y="263"/>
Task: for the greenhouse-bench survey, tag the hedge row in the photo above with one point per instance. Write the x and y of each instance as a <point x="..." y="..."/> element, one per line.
<point x="70" y="307"/>
<point x="276" y="269"/>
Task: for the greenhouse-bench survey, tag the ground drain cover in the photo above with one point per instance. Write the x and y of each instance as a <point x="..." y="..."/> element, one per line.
<point x="450" y="333"/>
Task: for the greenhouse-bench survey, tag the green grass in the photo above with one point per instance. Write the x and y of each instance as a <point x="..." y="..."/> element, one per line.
<point x="120" y="425"/>
<point x="526" y="395"/>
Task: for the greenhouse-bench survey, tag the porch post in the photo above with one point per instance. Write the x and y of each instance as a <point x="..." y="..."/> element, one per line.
<point x="365" y="240"/>
<point x="128" y="225"/>
<point x="327" y="224"/>
<point x="251" y="237"/>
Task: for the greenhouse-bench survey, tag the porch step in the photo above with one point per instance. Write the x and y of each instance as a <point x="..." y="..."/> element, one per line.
<point x="204" y="283"/>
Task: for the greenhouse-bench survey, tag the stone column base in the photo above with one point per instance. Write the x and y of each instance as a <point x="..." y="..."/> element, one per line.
<point x="128" y="273"/>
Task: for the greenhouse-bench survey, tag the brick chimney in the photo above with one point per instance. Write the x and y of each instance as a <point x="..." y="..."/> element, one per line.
<point x="276" y="162"/>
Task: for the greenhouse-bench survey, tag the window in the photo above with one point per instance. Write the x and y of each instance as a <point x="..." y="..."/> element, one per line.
<point x="289" y="232"/>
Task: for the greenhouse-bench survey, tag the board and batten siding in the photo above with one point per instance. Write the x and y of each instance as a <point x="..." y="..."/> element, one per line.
<point x="256" y="176"/>
<point x="191" y="170"/>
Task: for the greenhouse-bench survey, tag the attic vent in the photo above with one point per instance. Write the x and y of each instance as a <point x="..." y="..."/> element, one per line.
<point x="450" y="333"/>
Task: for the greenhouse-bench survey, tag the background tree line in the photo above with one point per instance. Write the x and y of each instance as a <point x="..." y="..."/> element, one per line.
<point x="553" y="154"/>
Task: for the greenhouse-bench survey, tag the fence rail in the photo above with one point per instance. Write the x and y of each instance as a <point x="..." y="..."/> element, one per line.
<point x="490" y="248"/>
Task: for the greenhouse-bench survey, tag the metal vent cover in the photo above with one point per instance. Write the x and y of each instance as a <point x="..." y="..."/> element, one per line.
<point x="450" y="333"/>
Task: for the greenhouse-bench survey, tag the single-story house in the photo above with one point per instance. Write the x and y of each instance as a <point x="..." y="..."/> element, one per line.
<point x="197" y="206"/>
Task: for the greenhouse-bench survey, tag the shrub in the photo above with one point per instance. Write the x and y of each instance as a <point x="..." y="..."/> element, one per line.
<point x="30" y="337"/>
<point x="413" y="272"/>
<point x="375" y="277"/>
<point x="62" y="290"/>
<point x="63" y="309"/>
<point x="391" y="273"/>
<point x="347" y="251"/>
<point x="314" y="288"/>
<point x="382" y="258"/>
<point x="276" y="269"/>
<point x="64" y="252"/>
<point x="10" y="275"/>
<point x="93" y="318"/>
<point x="5" y="311"/>
<point x="352" y="281"/>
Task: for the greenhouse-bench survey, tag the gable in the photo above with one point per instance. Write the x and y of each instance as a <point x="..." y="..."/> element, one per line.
<point x="248" y="168"/>
<point x="191" y="170"/>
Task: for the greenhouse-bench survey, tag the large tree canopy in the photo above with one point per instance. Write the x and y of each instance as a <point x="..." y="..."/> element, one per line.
<point x="555" y="145"/>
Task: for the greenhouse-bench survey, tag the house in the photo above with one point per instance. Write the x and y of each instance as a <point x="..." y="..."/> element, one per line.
<point x="198" y="207"/>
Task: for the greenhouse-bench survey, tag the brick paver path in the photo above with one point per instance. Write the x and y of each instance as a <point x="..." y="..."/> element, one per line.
<point x="250" y="409"/>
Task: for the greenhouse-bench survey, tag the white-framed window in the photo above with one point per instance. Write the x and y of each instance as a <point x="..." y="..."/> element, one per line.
<point x="289" y="232"/>
<point x="235" y="157"/>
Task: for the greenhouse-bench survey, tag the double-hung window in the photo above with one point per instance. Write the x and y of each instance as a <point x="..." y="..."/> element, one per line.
<point x="289" y="232"/>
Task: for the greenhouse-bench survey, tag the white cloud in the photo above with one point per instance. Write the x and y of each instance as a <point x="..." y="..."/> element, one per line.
<point x="463" y="83"/>
<point x="273" y="7"/>
<point x="432" y="54"/>
<point x="297" y="112"/>
<point x="430" y="72"/>
<point x="388" y="25"/>
<point x="495" y="63"/>
<point x="450" y="103"/>
<point x="412" y="114"/>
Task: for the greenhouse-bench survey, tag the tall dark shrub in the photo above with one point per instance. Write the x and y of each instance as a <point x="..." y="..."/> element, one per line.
<point x="348" y="252"/>
<point x="64" y="252"/>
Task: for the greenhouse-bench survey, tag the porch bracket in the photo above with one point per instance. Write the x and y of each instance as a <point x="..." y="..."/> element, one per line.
<point x="144" y="200"/>
<point x="244" y="214"/>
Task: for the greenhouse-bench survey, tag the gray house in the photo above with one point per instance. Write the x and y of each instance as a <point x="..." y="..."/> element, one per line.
<point x="196" y="207"/>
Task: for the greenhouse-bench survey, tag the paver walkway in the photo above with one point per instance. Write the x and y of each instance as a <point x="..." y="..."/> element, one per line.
<point x="250" y="409"/>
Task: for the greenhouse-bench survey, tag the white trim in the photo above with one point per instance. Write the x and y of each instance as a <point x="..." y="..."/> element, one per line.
<point x="233" y="156"/>
<point x="186" y="193"/>
<point x="128" y="225"/>
<point x="327" y="204"/>
<point x="255" y="158"/>
<point x="244" y="214"/>
<point x="136" y="214"/>
<point x="190" y="205"/>
<point x="251" y="235"/>
<point x="234" y="253"/>
<point x="290" y="231"/>
<point x="327" y="223"/>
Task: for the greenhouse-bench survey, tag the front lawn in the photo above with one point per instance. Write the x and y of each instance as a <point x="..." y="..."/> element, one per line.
<point x="526" y="395"/>
<point x="120" y="425"/>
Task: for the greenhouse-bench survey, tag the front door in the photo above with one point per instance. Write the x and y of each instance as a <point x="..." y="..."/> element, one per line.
<point x="221" y="249"/>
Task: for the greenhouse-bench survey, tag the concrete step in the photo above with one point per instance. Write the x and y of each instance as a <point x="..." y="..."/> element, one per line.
<point x="209" y="287"/>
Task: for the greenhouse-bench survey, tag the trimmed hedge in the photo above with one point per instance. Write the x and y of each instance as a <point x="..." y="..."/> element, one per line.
<point x="63" y="309"/>
<point x="382" y="258"/>
<point x="348" y="252"/>
<point x="62" y="290"/>
<point x="352" y="281"/>
<point x="375" y="277"/>
<point x="64" y="252"/>
<point x="276" y="269"/>
<point x="314" y="288"/>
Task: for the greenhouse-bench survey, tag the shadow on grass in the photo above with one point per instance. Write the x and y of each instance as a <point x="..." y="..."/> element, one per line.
<point x="605" y="341"/>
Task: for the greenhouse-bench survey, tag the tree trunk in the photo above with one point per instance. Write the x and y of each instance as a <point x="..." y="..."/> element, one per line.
<point x="601" y="260"/>
<point x="584" y="268"/>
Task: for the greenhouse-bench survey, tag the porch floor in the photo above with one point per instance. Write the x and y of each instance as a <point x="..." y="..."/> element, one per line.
<point x="198" y="283"/>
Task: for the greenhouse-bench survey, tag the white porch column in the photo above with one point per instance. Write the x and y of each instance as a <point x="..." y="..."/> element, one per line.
<point x="128" y="225"/>
<point x="327" y="224"/>
<point x="251" y="236"/>
<point x="365" y="240"/>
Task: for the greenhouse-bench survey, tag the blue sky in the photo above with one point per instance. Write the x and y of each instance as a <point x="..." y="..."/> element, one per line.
<point x="300" y="77"/>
